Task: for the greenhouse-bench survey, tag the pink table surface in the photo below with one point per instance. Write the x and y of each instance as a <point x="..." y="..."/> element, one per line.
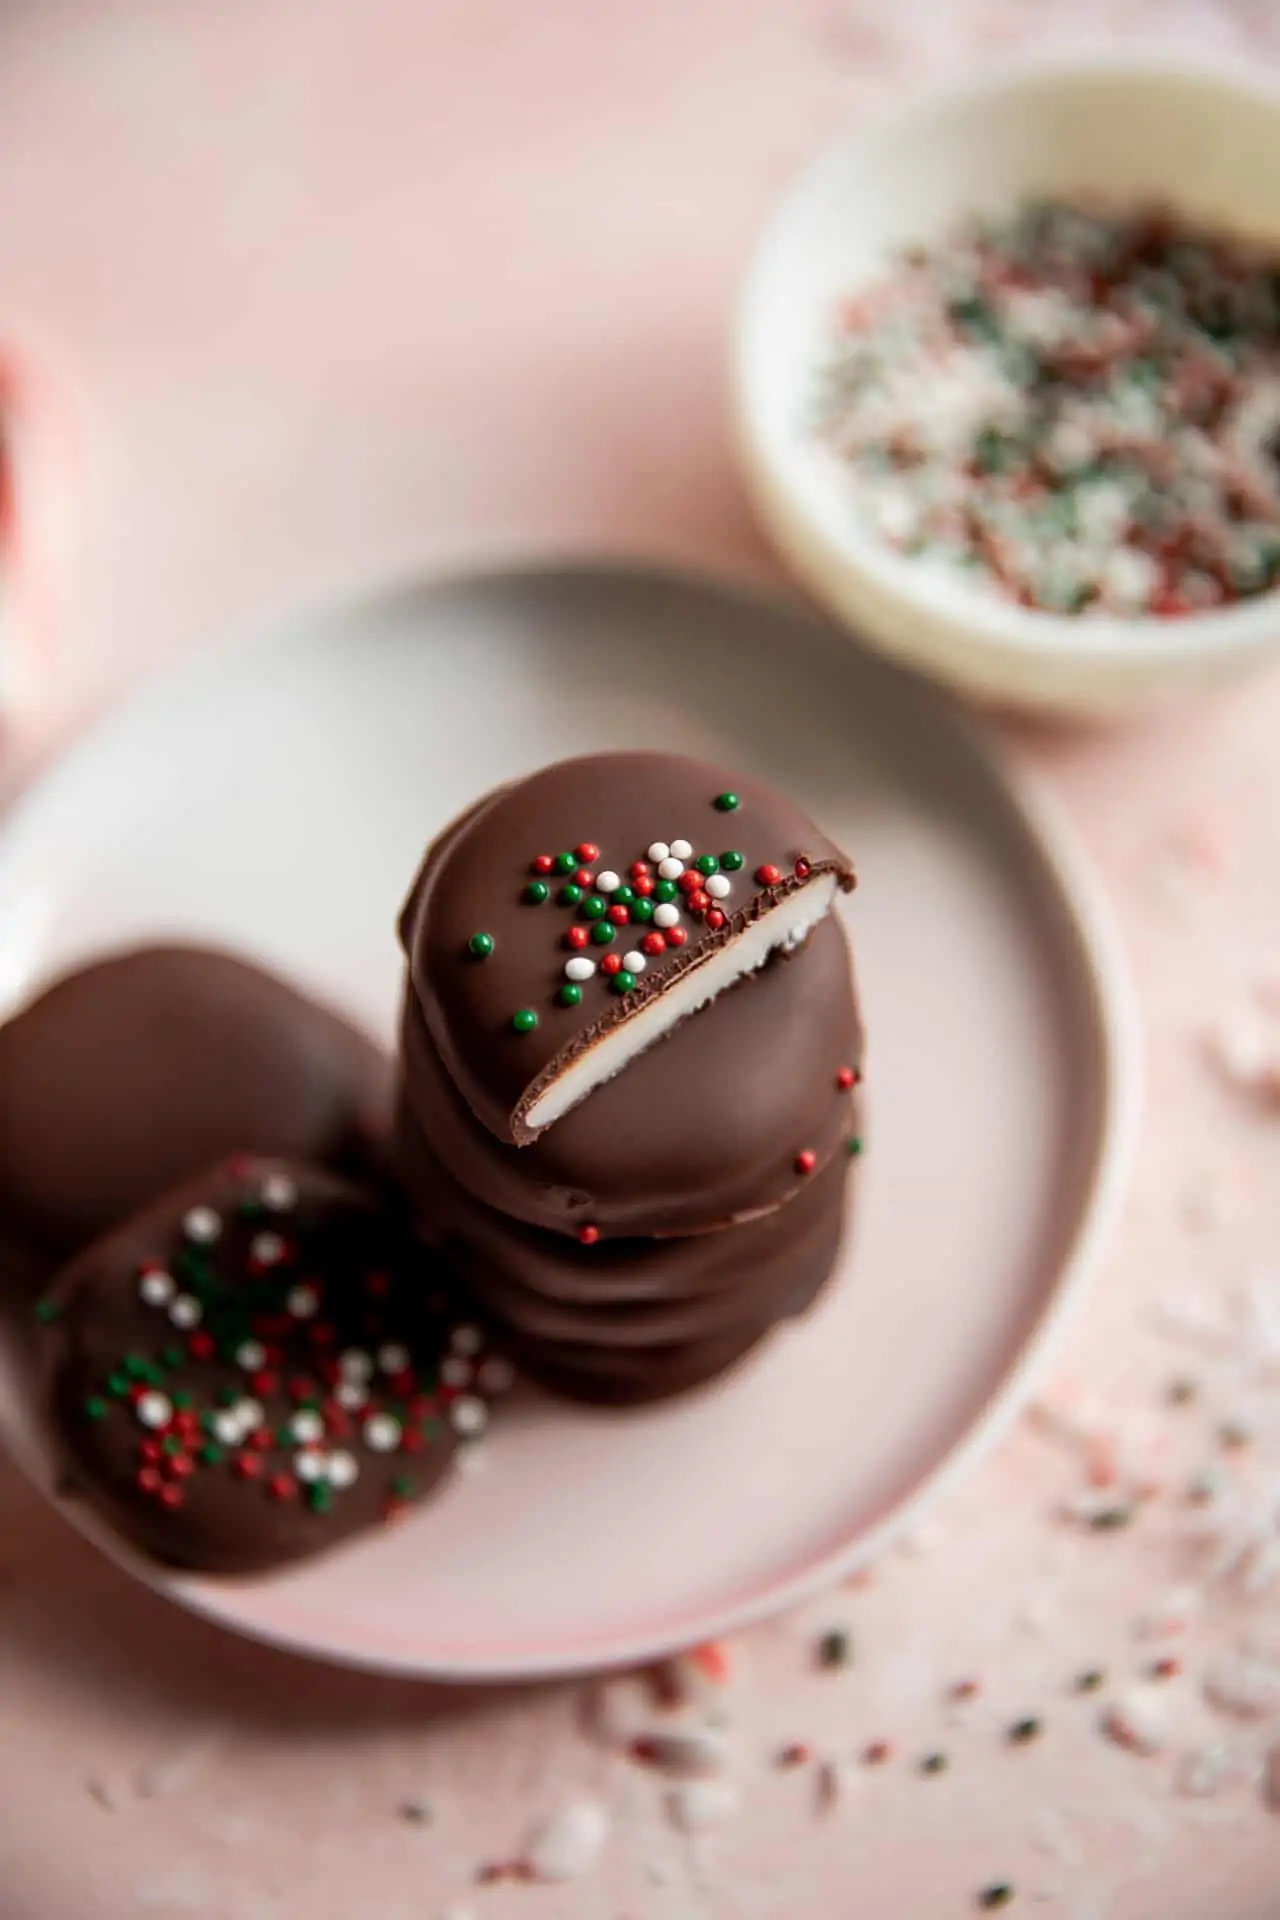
<point x="295" y="295"/>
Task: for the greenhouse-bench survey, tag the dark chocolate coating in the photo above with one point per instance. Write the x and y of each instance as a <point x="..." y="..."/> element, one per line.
<point x="130" y="1075"/>
<point x="474" y="880"/>
<point x="701" y="1130"/>
<point x="330" y="1285"/>
<point x="617" y="1301"/>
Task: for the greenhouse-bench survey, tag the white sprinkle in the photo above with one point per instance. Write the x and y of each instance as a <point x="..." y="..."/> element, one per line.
<point x="156" y="1289"/>
<point x="1245" y="1687"/>
<point x="344" y="1469"/>
<point x="251" y="1354"/>
<point x="1206" y="1770"/>
<point x="307" y="1426"/>
<point x="579" y="968"/>
<point x="469" y="1415"/>
<point x="351" y="1395"/>
<point x="394" y="1358"/>
<point x="310" y="1467"/>
<point x="227" y="1428"/>
<point x="681" y="849"/>
<point x="670" y="868"/>
<point x="382" y="1432"/>
<point x="608" y="881"/>
<point x="698" y="1805"/>
<point x="496" y="1374"/>
<point x="466" y="1339"/>
<point x="249" y="1413"/>
<point x="185" y="1311"/>
<point x="1137" y="1719"/>
<point x="687" y="1753"/>
<point x="718" y="886"/>
<point x="203" y="1225"/>
<point x="268" y="1249"/>
<point x="659" y="851"/>
<point x="303" y="1302"/>
<point x="666" y="915"/>
<point x="455" y="1371"/>
<point x="155" y="1410"/>
<point x="279" y="1192"/>
<point x="568" y="1844"/>
<point x="355" y="1364"/>
<point x="635" y="961"/>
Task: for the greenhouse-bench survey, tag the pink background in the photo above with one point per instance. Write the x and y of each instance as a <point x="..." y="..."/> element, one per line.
<point x="302" y="293"/>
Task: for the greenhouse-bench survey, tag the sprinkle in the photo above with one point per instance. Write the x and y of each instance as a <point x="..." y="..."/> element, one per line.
<point x="382" y="1432"/>
<point x="355" y="1364"/>
<point x="718" y="887"/>
<point x="634" y="962"/>
<point x="681" y="850"/>
<point x="967" y="1689"/>
<point x="587" y="1236"/>
<point x="726" y="803"/>
<point x="695" y="1806"/>
<point x="999" y="1894"/>
<point x="602" y="933"/>
<point x="690" y="884"/>
<point x="306" y="1426"/>
<point x="568" y="995"/>
<point x="715" y="919"/>
<point x="622" y="982"/>
<point x="658" y="852"/>
<point x="670" y="868"/>
<point x="666" y="915"/>
<point x="732" y="862"/>
<point x="934" y="1763"/>
<point x="570" y="895"/>
<point x="853" y="1146"/>
<point x="564" y="863"/>
<point x="608" y="881"/>
<point x="806" y="1161"/>
<point x="455" y="1371"/>
<point x="466" y="1338"/>
<point x="618" y="916"/>
<point x="310" y="1467"/>
<point x="1024" y="1730"/>
<point x="535" y="892"/>
<point x="541" y="863"/>
<point x="711" y="1659"/>
<point x="835" y="1648"/>
<point x="611" y="964"/>
<point x="642" y="912"/>
<point x="579" y="968"/>
<point x="1167" y="1668"/>
<point x="676" y="936"/>
<point x="878" y="1752"/>
<point x="654" y="944"/>
<point x="1206" y="1770"/>
<point x="768" y="875"/>
<point x="592" y="908"/>
<point x="1137" y="1720"/>
<point x="94" y="1408"/>
<point x="525" y="1020"/>
<point x="156" y="1287"/>
<point x="47" y="1311"/>
<point x="303" y="1302"/>
<point x="351" y="1396"/>
<point x="393" y="1357"/>
<point x="664" y="892"/>
<point x="583" y="880"/>
<point x="267" y="1249"/>
<point x="586" y="850"/>
<point x="154" y="1410"/>
<point x="845" y="1079"/>
<point x="344" y="1469"/>
<point x="469" y="1415"/>
<point x="479" y="946"/>
<point x="570" y="1842"/>
<point x="795" y="1754"/>
<point x="576" y="938"/>
<point x="226" y="1428"/>
<point x="202" y="1225"/>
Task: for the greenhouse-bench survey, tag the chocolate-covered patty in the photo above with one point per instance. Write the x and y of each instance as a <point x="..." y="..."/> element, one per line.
<point x="255" y="1367"/>
<point x="135" y="1072"/>
<point x="568" y="921"/>
<point x="723" y="1119"/>
<point x="622" y="1299"/>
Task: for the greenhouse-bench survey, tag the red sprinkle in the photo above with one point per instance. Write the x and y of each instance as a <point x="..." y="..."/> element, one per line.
<point x="1167" y="1668"/>
<point x="246" y="1466"/>
<point x="768" y="875"/>
<point x="653" y="943"/>
<point x="576" y="937"/>
<point x="541" y="864"/>
<point x="171" y="1494"/>
<point x="966" y="1690"/>
<point x="638" y="870"/>
<point x="699" y="900"/>
<point x="148" y="1479"/>
<point x="690" y="880"/>
<point x="845" y="1079"/>
<point x="644" y="884"/>
<point x="411" y="1441"/>
<point x="179" y="1466"/>
<point x="675" y="936"/>
<point x="583" y="877"/>
<point x="587" y="1236"/>
<point x="794" y="1755"/>
<point x="260" y="1441"/>
<point x="200" y="1346"/>
<point x="806" y="1162"/>
<point x="586" y="850"/>
<point x="264" y="1383"/>
<point x="878" y="1752"/>
<point x="619" y="915"/>
<point x="150" y="1450"/>
<point x="281" y="1486"/>
<point x="802" y="868"/>
<point x="612" y="963"/>
<point x="711" y="1659"/>
<point x="715" y="919"/>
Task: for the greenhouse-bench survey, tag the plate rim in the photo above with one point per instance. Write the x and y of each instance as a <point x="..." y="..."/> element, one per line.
<point x="1100" y="961"/>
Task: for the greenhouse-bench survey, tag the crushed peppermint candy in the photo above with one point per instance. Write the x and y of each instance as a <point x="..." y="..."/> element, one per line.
<point x="1074" y="407"/>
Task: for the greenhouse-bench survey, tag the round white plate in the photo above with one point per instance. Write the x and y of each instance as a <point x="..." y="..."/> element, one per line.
<point x="277" y="796"/>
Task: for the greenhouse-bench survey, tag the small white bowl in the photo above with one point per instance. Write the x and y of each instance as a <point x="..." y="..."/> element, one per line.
<point x="1204" y="141"/>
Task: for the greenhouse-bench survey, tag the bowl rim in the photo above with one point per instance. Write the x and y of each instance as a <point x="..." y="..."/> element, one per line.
<point x="1247" y="630"/>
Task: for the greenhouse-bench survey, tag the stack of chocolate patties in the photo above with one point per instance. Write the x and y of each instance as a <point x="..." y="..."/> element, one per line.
<point x="238" y="1354"/>
<point x="629" y="1067"/>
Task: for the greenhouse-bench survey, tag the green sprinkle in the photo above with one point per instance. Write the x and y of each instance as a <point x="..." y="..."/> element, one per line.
<point x="622" y="982"/>
<point x="563" y="863"/>
<point x="569" y="895"/>
<point x="934" y="1763"/>
<point x="664" y="892"/>
<point x="403" y="1487"/>
<point x="592" y="908"/>
<point x="480" y="946"/>
<point x="835" y="1649"/>
<point x="642" y="911"/>
<point x="853" y="1146"/>
<point x="94" y="1408"/>
<point x="46" y="1310"/>
<point x="227" y="1396"/>
<point x="706" y="863"/>
<point x="136" y="1366"/>
<point x="524" y="1020"/>
<point x="602" y="933"/>
<point x="731" y="861"/>
<point x="319" y="1497"/>
<point x="569" y="995"/>
<point x="1023" y="1731"/>
<point x="726" y="803"/>
<point x="173" y="1356"/>
<point x="998" y="1895"/>
<point x="181" y="1400"/>
<point x="118" y="1385"/>
<point x="209" y="1455"/>
<point x="171" y="1444"/>
<point x="535" y="893"/>
<point x="623" y="896"/>
<point x="1092" y="1680"/>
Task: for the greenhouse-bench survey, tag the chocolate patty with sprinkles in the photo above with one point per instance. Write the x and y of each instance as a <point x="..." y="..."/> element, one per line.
<point x="257" y="1367"/>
